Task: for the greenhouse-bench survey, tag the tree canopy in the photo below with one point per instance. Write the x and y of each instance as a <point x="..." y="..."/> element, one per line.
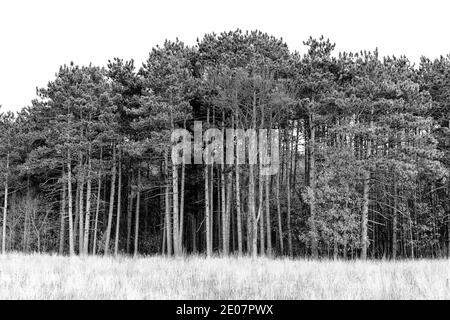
<point x="364" y="146"/>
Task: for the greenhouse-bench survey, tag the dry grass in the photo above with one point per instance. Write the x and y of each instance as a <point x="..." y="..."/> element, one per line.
<point x="53" y="277"/>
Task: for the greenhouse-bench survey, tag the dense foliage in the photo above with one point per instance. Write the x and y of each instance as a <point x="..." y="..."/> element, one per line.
<point x="364" y="148"/>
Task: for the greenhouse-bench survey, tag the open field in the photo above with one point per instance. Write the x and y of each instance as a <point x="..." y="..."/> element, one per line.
<point x="53" y="277"/>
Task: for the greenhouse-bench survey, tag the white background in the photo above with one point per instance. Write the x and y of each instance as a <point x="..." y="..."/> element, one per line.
<point x="36" y="37"/>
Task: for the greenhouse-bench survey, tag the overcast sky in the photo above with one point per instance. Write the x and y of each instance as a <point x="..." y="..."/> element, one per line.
<point x="37" y="36"/>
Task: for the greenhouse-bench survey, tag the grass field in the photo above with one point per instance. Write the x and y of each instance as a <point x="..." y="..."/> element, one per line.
<point x="53" y="277"/>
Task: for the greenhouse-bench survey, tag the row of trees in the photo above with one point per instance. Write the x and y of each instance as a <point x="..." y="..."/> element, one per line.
<point x="364" y="155"/>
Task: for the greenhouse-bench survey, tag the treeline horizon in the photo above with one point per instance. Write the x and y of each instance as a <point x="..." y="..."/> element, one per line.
<point x="364" y="155"/>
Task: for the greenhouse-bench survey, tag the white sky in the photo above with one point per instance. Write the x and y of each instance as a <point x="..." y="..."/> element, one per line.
<point x="36" y="37"/>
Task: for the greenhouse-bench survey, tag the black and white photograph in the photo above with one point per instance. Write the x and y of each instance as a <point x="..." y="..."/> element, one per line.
<point x="224" y="156"/>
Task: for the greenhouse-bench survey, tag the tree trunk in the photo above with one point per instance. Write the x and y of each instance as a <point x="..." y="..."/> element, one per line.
<point x="167" y="199"/>
<point x="77" y="214"/>
<point x="312" y="184"/>
<point x="183" y="182"/>
<point x="223" y="195"/>
<point x="280" y="227"/>
<point x="207" y="207"/>
<point x="81" y="216"/>
<point x="268" y="224"/>
<point x="63" y="213"/>
<point x="228" y="214"/>
<point x="238" y="210"/>
<point x="111" y="202"/>
<point x="448" y="218"/>
<point x="119" y="208"/>
<point x="261" y="211"/>
<point x="136" y="223"/>
<point x="223" y="209"/>
<point x="288" y="187"/>
<point x="238" y="186"/>
<point x="194" y="234"/>
<point x="129" y="211"/>
<point x="365" y="213"/>
<point x="176" y="224"/>
<point x="211" y="204"/>
<point x="297" y="139"/>
<point x="5" y="207"/>
<point x="97" y="209"/>
<point x="394" y="222"/>
<point x="335" y="250"/>
<point x="69" y="193"/>
<point x="252" y="213"/>
<point x="87" y="223"/>
<point x="218" y="211"/>
<point x="251" y="194"/>
<point x="366" y="203"/>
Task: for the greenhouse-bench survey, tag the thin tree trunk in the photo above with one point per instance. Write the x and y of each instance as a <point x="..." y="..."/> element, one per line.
<point x="312" y="184"/>
<point x="136" y="223"/>
<point x="297" y="139"/>
<point x="63" y="224"/>
<point x="251" y="197"/>
<point x="26" y="218"/>
<point x="288" y="186"/>
<point x="219" y="206"/>
<point x="167" y="199"/>
<point x="394" y="222"/>
<point x="119" y="208"/>
<point x="261" y="211"/>
<point x="183" y="182"/>
<point x="252" y="212"/>
<point x="130" y="211"/>
<point x="227" y="213"/>
<point x="77" y="214"/>
<point x="268" y="224"/>
<point x="366" y="203"/>
<point x="97" y="212"/>
<point x="97" y="209"/>
<point x="111" y="202"/>
<point x="176" y="224"/>
<point x="211" y="203"/>
<point x="280" y="227"/>
<point x="335" y="250"/>
<point x="238" y="210"/>
<point x="207" y="207"/>
<point x="448" y="218"/>
<point x="194" y="234"/>
<point x="223" y="209"/>
<point x="365" y="213"/>
<point x="164" y="245"/>
<point x="5" y="207"/>
<point x="87" y="223"/>
<point x="238" y="186"/>
<point x="81" y="213"/>
<point x="70" y="201"/>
